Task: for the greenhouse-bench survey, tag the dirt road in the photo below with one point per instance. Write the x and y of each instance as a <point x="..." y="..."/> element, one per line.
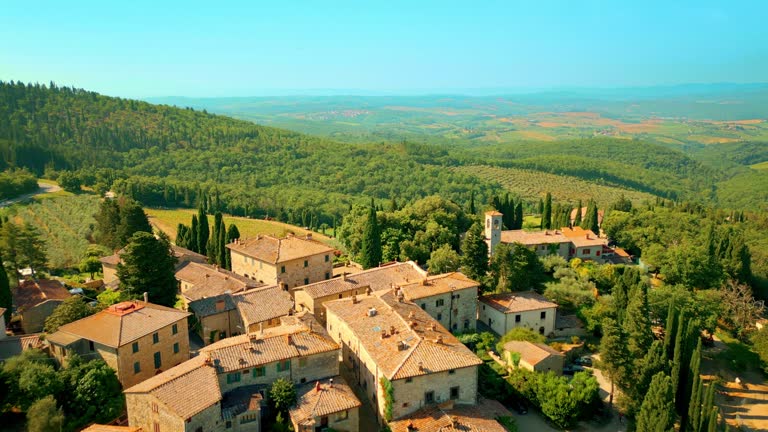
<point x="43" y="189"/>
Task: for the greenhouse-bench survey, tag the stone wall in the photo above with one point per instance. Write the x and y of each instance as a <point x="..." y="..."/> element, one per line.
<point x="411" y="396"/>
<point x="502" y="323"/>
<point x="147" y="349"/>
<point x="456" y="311"/>
<point x="33" y="319"/>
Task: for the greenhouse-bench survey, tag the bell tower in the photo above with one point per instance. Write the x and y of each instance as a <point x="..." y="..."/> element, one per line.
<point x="492" y="230"/>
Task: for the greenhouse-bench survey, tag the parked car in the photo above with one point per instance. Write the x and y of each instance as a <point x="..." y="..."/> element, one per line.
<point x="584" y="361"/>
<point x="572" y="369"/>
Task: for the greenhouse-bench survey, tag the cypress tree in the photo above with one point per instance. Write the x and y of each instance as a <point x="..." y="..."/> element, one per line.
<point x="519" y="215"/>
<point x="222" y="243"/>
<point x="707" y="409"/>
<point x="541" y="207"/>
<point x="670" y="329"/>
<point x="370" y="251"/>
<point x="213" y="242"/>
<point x="654" y="361"/>
<point x="577" y="218"/>
<point x="657" y="411"/>
<point x="182" y="236"/>
<point x="232" y="234"/>
<point x="677" y="359"/>
<point x="594" y="219"/>
<point x="546" y="213"/>
<point x="192" y="243"/>
<point x="472" y="209"/>
<point x="474" y="253"/>
<point x="614" y="354"/>
<point x="712" y="420"/>
<point x="6" y="298"/>
<point x="637" y="323"/>
<point x="695" y="402"/>
<point x="203" y="233"/>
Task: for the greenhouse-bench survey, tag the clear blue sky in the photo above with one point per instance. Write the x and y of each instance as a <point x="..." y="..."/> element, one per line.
<point x="241" y="48"/>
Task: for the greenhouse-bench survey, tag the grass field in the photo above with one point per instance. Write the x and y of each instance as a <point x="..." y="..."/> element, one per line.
<point x="535" y="184"/>
<point x="760" y="166"/>
<point x="168" y="219"/>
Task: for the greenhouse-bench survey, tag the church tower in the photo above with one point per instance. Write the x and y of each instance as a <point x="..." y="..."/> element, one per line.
<point x="492" y="230"/>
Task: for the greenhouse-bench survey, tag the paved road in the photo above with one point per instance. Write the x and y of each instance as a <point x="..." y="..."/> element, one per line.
<point x="44" y="188"/>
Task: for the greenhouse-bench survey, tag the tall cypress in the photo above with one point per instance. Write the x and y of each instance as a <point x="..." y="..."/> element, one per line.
<point x="657" y="411"/>
<point x="6" y="299"/>
<point x="472" y="210"/>
<point x="546" y="213"/>
<point x="695" y="400"/>
<point x="670" y="330"/>
<point x="222" y="243"/>
<point x="577" y="218"/>
<point x="213" y="242"/>
<point x="637" y="323"/>
<point x="182" y="236"/>
<point x="519" y="215"/>
<point x="203" y="233"/>
<point x="192" y="243"/>
<point x="232" y="234"/>
<point x="370" y="251"/>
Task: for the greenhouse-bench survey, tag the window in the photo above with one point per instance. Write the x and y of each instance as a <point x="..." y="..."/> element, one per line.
<point x="455" y="326"/>
<point x="439" y="316"/>
<point x="302" y="361"/>
<point x="541" y="330"/>
<point x="405" y="404"/>
<point x="158" y="360"/>
<point x="454" y="393"/>
<point x="597" y="253"/>
<point x="466" y="324"/>
<point x="424" y="306"/>
<point x="136" y="367"/>
<point x="342" y="415"/>
<point x="259" y="371"/>
<point x="483" y="307"/>
<point x="135" y="347"/>
<point x="451" y="371"/>
<point x="439" y="302"/>
<point x="429" y="397"/>
<point x="233" y="377"/>
<point x="327" y="275"/>
<point x="199" y="429"/>
<point x="175" y="329"/>
<point x="306" y="281"/>
<point x="229" y="424"/>
<point x="517" y="318"/>
<point x="409" y="380"/>
<point x="155" y="338"/>
<point x="544" y="315"/>
<point x="306" y="263"/>
<point x="585" y="252"/>
<point x="303" y="380"/>
<point x="283" y="366"/>
<point x="90" y="345"/>
<point x="327" y="258"/>
<point x="176" y="348"/>
<point x="282" y="269"/>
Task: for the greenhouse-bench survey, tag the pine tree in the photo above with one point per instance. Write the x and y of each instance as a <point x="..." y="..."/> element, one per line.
<point x="6" y="298"/>
<point x="148" y="266"/>
<point x="132" y="219"/>
<point x="192" y="243"/>
<point x="203" y="233"/>
<point x="657" y="412"/>
<point x="474" y="253"/>
<point x="370" y="250"/>
<point x="637" y="323"/>
<point x="546" y="213"/>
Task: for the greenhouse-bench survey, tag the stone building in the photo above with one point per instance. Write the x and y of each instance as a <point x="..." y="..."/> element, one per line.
<point x="136" y="339"/>
<point x="225" y="386"/>
<point x="535" y="357"/>
<point x="326" y="404"/>
<point x="402" y="358"/>
<point x="35" y="300"/>
<point x="450" y="417"/>
<point x="217" y="318"/>
<point x="312" y="297"/>
<point x="288" y="262"/>
<point x="197" y="281"/>
<point x="585" y="244"/>
<point x="183" y="256"/>
<point x="450" y="298"/>
<point x="505" y="311"/>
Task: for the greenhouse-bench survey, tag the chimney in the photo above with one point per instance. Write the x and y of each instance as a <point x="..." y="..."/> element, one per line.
<point x="424" y="282"/>
<point x="411" y="315"/>
<point x="455" y="422"/>
<point x="587" y="236"/>
<point x="261" y="328"/>
<point x="207" y="275"/>
<point x="219" y="305"/>
<point x="439" y="339"/>
<point x="330" y="383"/>
<point x="369" y="291"/>
<point x="289" y="339"/>
<point x="317" y="386"/>
<point x="421" y="367"/>
<point x="344" y="276"/>
<point x="354" y="299"/>
<point x="309" y="236"/>
<point x="392" y="330"/>
<point x="146" y="297"/>
<point x="432" y="326"/>
<point x="383" y="334"/>
<point x="372" y="312"/>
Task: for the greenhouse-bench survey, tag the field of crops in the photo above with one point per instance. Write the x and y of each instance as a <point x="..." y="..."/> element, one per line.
<point x="535" y="184"/>
<point x="168" y="219"/>
<point x="66" y="224"/>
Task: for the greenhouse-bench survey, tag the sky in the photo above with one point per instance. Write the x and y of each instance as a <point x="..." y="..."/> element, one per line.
<point x="254" y="48"/>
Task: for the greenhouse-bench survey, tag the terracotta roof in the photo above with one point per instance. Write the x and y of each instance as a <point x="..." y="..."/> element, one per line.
<point x="458" y="418"/>
<point x="438" y="284"/>
<point x="242" y="399"/>
<point x="31" y="293"/>
<point x="534" y="238"/>
<point x="208" y="280"/>
<point x="378" y="278"/>
<point x="320" y="399"/>
<point x="297" y="336"/>
<point x="182" y="256"/>
<point x="583" y="238"/>
<point x="494" y="213"/>
<point x="179" y="388"/>
<point x="113" y="259"/>
<point x="13" y="345"/>
<point x="522" y="301"/>
<point x="262" y="304"/>
<point x="123" y="323"/>
<point x="274" y="250"/>
<point x="532" y="353"/>
<point x="419" y="345"/>
<point x="209" y="306"/>
<point x="109" y="428"/>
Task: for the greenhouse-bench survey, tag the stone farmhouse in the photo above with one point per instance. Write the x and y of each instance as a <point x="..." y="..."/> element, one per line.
<point x="136" y="339"/>
<point x="505" y="311"/>
<point x="326" y="404"/>
<point x="197" y="281"/>
<point x="312" y="297"/>
<point x="224" y="387"/>
<point x="536" y="357"/>
<point x="402" y="358"/>
<point x="183" y="256"/>
<point x="450" y="298"/>
<point x="35" y="300"/>
<point x="288" y="262"/>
